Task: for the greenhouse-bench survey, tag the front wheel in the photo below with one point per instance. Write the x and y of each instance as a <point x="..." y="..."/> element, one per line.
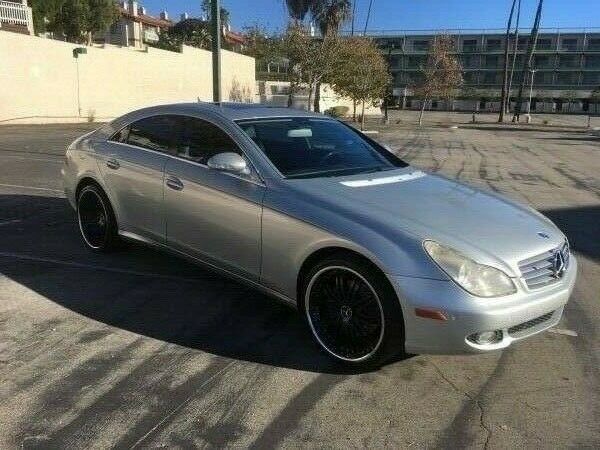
<point x="353" y="311"/>
<point x="96" y="219"/>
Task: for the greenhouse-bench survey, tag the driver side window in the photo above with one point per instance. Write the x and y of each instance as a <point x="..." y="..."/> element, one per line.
<point x="199" y="140"/>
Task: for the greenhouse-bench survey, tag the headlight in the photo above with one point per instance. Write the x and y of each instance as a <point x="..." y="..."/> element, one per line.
<point x="478" y="279"/>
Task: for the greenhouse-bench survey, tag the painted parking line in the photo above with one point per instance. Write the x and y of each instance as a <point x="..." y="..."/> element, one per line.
<point x="60" y="262"/>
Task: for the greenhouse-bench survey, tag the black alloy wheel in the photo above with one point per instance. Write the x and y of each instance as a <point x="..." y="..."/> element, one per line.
<point x="353" y="311"/>
<point x="96" y="219"/>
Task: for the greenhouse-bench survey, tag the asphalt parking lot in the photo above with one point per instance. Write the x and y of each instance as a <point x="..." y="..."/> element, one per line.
<point x="139" y="349"/>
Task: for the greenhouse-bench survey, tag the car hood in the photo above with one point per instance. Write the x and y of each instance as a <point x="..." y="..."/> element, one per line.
<point x="483" y="225"/>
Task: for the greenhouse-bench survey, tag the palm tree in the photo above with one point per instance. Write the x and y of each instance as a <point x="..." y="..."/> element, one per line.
<point x="298" y="9"/>
<point x="329" y="16"/>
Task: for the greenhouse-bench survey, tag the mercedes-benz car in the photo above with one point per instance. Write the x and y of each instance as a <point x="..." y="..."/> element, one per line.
<point x="378" y="256"/>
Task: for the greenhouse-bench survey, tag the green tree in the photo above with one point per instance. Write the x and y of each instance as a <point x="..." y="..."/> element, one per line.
<point x="192" y="32"/>
<point x="330" y="15"/>
<point x="102" y="14"/>
<point x="362" y="74"/>
<point x="43" y="11"/>
<point x="261" y="45"/>
<point x="77" y="20"/>
<point x="71" y="20"/>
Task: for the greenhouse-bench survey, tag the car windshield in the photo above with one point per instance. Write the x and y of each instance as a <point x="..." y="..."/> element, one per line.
<point x="311" y="147"/>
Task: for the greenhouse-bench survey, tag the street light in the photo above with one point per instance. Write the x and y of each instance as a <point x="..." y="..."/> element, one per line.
<point x="530" y="96"/>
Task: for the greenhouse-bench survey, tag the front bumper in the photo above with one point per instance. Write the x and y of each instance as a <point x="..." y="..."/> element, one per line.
<point x="516" y="316"/>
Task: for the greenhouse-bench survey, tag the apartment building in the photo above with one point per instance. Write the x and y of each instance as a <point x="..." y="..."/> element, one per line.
<point x="135" y="27"/>
<point x="566" y="66"/>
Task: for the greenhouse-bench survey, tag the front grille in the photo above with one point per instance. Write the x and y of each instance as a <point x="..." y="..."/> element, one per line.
<point x="541" y="270"/>
<point x="530" y="323"/>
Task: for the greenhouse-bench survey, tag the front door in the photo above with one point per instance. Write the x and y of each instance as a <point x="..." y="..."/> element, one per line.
<point x="212" y="215"/>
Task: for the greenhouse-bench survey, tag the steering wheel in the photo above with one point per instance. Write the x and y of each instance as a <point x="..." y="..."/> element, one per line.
<point x="329" y="156"/>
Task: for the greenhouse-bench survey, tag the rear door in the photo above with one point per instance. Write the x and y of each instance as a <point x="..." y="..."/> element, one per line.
<point x="133" y="168"/>
<point x="212" y="215"/>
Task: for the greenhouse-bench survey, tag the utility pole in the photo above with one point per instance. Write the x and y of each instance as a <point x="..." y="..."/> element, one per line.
<point x="505" y="77"/>
<point x="216" y="48"/>
<point x="528" y="67"/>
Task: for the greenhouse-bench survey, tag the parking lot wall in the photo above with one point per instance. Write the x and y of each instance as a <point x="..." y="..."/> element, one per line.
<point x="45" y="80"/>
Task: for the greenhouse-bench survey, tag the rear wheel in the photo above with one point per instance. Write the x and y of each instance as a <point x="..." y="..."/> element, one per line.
<point x="353" y="311"/>
<point x="96" y="219"/>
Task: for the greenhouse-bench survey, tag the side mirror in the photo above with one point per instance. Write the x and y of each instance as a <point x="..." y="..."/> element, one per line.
<point x="229" y="162"/>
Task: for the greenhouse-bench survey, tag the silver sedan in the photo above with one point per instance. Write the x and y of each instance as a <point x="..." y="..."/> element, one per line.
<point x="378" y="256"/>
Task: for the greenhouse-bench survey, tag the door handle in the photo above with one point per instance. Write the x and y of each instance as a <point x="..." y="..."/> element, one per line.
<point x="112" y="164"/>
<point x="174" y="183"/>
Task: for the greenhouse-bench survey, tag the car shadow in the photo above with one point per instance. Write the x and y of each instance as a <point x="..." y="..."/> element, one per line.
<point x="150" y="293"/>
<point x="581" y="225"/>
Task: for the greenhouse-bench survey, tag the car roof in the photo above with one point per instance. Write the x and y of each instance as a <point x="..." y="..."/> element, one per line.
<point x="233" y="111"/>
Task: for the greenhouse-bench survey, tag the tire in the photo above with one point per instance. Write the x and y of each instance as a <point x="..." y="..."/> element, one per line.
<point x="96" y="219"/>
<point x="352" y="311"/>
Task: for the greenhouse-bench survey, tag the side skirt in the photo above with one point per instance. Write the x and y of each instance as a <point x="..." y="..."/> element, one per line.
<point x="127" y="235"/>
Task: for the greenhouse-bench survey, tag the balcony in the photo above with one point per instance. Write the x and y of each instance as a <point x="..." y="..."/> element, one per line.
<point x="15" y="15"/>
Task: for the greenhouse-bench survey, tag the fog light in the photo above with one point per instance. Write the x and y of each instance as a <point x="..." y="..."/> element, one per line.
<point x="486" y="337"/>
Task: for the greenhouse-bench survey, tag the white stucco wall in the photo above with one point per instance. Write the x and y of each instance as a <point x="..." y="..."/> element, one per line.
<point x="40" y="79"/>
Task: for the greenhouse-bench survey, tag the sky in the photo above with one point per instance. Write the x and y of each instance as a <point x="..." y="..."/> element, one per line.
<point x="405" y="14"/>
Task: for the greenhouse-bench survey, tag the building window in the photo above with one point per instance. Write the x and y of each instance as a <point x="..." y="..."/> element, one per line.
<point x="568" y="61"/>
<point x="470" y="61"/>
<point x="396" y="61"/>
<point x="544" y="78"/>
<point x="493" y="61"/>
<point x="566" y="78"/>
<point x="569" y="44"/>
<point x="491" y="78"/>
<point x="415" y="62"/>
<point x="591" y="78"/>
<point x="523" y="43"/>
<point x="592" y="61"/>
<point x="593" y="44"/>
<point x="544" y="44"/>
<point x="420" y="46"/>
<point x="469" y="45"/>
<point x="542" y="62"/>
<point x="493" y="44"/>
